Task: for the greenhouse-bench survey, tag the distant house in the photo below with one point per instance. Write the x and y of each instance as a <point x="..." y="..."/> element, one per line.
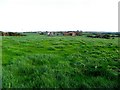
<point x="50" y="33"/>
<point x="55" y="33"/>
<point x="69" y="33"/>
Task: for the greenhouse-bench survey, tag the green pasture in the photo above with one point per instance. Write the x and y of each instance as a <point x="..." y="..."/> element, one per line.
<point x="59" y="62"/>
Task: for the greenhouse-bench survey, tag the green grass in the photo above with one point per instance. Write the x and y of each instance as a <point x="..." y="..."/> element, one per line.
<point x="59" y="62"/>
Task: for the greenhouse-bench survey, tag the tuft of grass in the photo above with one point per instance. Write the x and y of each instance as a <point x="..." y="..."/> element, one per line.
<point x="60" y="46"/>
<point x="51" y="48"/>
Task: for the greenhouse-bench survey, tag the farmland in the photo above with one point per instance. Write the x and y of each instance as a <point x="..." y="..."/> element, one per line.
<point x="59" y="62"/>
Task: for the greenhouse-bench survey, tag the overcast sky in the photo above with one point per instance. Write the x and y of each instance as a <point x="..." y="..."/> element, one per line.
<point x="59" y="15"/>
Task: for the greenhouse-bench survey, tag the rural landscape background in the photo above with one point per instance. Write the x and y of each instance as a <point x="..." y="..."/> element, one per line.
<point x="38" y="60"/>
<point x="59" y="44"/>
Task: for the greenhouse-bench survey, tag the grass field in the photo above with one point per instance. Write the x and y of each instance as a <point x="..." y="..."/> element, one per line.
<point x="59" y="62"/>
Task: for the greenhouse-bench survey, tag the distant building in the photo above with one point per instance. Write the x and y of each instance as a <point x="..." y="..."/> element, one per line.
<point x="69" y="34"/>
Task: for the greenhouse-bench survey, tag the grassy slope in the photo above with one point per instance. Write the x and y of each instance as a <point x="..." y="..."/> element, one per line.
<point x="42" y="61"/>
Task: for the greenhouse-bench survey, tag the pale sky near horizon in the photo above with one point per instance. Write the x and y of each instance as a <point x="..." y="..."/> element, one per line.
<point x="59" y="15"/>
